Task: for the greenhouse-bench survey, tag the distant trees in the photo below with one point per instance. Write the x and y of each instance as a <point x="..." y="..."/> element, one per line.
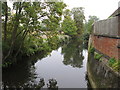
<point x="73" y="23"/>
<point x="68" y="25"/>
<point x="78" y="15"/>
<point x="88" y="27"/>
<point x="89" y="23"/>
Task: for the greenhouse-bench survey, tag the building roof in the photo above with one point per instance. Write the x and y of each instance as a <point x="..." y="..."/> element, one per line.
<point x="116" y="13"/>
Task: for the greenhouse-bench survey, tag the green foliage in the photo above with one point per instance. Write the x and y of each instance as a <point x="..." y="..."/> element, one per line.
<point x="116" y="66"/>
<point x="28" y="24"/>
<point x="53" y="41"/>
<point x="98" y="56"/>
<point x="68" y="27"/>
<point x="91" y="49"/>
<point x="6" y="64"/>
<point x="85" y="37"/>
<point x="33" y="45"/>
<point x="54" y="15"/>
<point x="89" y="24"/>
<point x="111" y="61"/>
<point x="78" y="15"/>
<point x="5" y="46"/>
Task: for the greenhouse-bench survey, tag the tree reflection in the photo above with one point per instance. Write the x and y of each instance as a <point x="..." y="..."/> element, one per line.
<point x="51" y="85"/>
<point x="73" y="53"/>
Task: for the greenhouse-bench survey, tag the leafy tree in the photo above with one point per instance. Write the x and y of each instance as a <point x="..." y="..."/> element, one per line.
<point x="67" y="13"/>
<point x="25" y="25"/>
<point x="68" y="25"/>
<point x="78" y="15"/>
<point x="53" y="17"/>
<point x="88" y="28"/>
<point x="88" y="25"/>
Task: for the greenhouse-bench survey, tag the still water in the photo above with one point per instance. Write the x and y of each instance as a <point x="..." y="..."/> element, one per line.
<point x="67" y="65"/>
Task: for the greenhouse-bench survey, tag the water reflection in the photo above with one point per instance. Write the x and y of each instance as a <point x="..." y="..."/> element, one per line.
<point x="51" y="71"/>
<point x="22" y="74"/>
<point x="52" y="84"/>
<point x="73" y="53"/>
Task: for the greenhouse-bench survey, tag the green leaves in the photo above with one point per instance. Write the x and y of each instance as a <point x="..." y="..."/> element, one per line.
<point x="114" y="64"/>
<point x="78" y="15"/>
<point x="88" y="25"/>
<point x="29" y="22"/>
<point x="68" y="27"/>
<point x="111" y="61"/>
<point x="98" y="56"/>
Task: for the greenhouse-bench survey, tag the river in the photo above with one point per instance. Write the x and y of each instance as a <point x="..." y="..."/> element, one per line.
<point x="66" y="65"/>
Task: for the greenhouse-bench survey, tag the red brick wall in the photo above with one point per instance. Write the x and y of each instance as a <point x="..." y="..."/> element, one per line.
<point x="107" y="46"/>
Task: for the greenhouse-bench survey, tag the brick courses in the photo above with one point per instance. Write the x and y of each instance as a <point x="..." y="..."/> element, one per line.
<point x="107" y="46"/>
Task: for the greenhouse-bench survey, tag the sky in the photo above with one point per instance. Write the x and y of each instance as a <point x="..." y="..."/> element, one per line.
<point x="100" y="8"/>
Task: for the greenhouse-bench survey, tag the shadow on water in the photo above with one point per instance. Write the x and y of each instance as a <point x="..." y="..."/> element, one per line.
<point x="26" y="73"/>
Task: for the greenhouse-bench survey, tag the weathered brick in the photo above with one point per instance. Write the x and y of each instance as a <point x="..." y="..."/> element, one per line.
<point x="107" y="46"/>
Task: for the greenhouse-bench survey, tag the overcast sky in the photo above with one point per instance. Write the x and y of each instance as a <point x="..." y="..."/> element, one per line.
<point x="100" y="8"/>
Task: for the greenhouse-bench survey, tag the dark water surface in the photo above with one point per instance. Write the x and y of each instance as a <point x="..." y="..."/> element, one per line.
<point x="67" y="65"/>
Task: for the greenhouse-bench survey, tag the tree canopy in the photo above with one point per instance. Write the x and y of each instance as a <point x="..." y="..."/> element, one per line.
<point x="23" y="30"/>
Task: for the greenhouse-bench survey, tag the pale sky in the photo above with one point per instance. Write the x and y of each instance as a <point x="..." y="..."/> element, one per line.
<point x="100" y="8"/>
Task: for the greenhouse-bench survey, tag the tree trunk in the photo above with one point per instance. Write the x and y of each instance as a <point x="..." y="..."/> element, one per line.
<point x="14" y="33"/>
<point x="6" y="19"/>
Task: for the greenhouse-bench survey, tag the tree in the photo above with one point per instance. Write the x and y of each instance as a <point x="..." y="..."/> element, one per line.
<point x="88" y="28"/>
<point x="91" y="20"/>
<point x="78" y="15"/>
<point x="53" y="16"/>
<point x="68" y="25"/>
<point x="25" y="25"/>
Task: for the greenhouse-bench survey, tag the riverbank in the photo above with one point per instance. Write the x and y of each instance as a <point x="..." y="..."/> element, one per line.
<point x="46" y="46"/>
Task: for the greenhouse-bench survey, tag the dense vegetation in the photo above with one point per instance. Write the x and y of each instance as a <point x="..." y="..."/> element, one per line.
<point x="32" y="27"/>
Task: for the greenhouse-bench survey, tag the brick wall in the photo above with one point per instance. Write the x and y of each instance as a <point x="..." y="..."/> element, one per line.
<point x="107" y="46"/>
